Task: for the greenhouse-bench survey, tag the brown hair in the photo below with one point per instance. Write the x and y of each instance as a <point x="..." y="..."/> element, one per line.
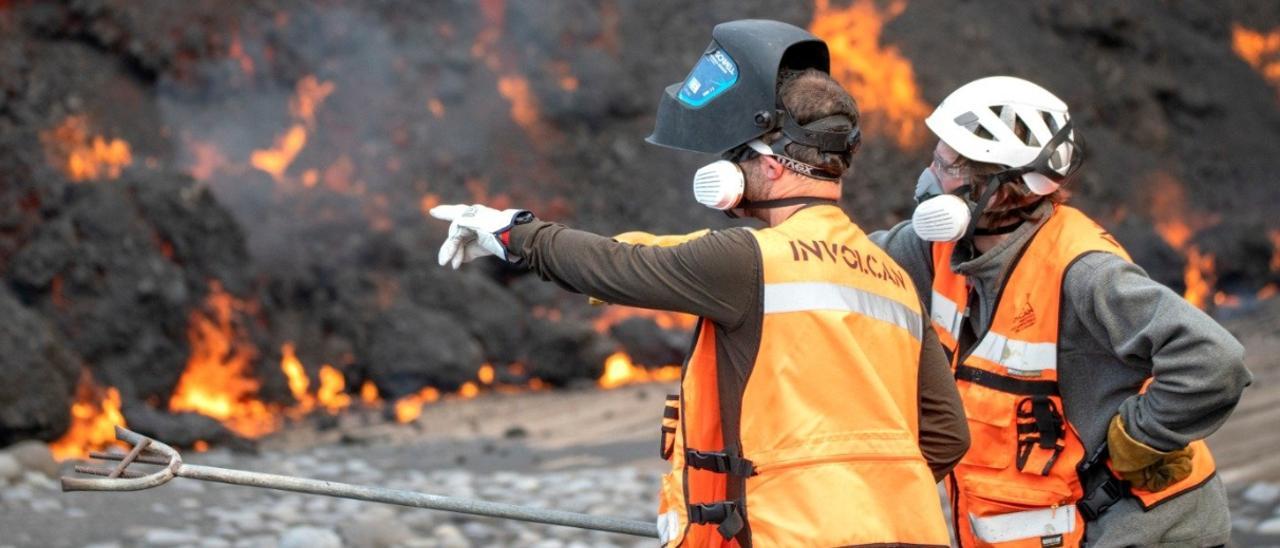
<point x="811" y="95"/>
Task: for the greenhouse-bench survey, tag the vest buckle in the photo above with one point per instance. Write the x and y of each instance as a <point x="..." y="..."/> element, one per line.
<point x="720" y="462"/>
<point x="725" y="514"/>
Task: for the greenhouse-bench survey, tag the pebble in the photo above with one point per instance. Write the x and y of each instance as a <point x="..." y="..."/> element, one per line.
<point x="214" y="542"/>
<point x="1269" y="527"/>
<point x="310" y="537"/>
<point x="261" y="541"/>
<point x="10" y="468"/>
<point x="170" y="537"/>
<point x="449" y="536"/>
<point x="103" y="545"/>
<point x="1262" y="493"/>
<point x="34" y="456"/>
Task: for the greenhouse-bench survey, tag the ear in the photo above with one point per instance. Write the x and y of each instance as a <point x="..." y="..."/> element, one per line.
<point x="771" y="168"/>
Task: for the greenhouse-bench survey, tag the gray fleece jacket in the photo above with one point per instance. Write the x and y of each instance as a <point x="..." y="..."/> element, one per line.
<point x="1118" y="328"/>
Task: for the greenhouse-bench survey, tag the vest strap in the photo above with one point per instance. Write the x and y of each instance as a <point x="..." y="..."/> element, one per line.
<point x="1006" y="384"/>
<point x="719" y="462"/>
<point x="724" y="513"/>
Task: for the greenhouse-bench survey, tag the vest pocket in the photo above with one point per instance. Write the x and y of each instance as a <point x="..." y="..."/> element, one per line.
<point x="1006" y="516"/>
<point x="990" y="414"/>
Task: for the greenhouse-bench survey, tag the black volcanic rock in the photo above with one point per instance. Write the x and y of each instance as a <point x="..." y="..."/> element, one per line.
<point x="561" y="352"/>
<point x="411" y="347"/>
<point x="39" y="373"/>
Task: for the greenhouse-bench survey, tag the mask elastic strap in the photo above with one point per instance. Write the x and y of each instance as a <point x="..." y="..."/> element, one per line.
<point x="780" y="202"/>
<point x="988" y="191"/>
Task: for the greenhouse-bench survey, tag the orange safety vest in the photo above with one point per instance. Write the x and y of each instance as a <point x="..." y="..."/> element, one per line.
<point x="819" y="445"/>
<point x="1018" y="484"/>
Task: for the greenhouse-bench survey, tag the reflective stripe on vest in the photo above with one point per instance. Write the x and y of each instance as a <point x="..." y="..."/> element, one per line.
<point x="806" y="296"/>
<point x="827" y="429"/>
<point x="1024" y="453"/>
<point x="1026" y="524"/>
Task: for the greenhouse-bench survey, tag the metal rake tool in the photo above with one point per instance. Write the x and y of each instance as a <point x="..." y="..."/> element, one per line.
<point x="151" y="452"/>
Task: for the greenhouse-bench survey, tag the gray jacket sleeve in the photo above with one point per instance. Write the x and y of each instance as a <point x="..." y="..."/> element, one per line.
<point x="944" y="432"/>
<point x="912" y="253"/>
<point x="1197" y="366"/>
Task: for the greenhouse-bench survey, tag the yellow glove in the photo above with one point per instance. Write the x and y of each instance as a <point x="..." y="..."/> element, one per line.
<point x="644" y="238"/>
<point x="1142" y="465"/>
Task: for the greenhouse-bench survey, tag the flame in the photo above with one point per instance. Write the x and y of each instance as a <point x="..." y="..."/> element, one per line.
<point x="524" y="108"/>
<point x="310" y="94"/>
<point x="1261" y="50"/>
<point x="619" y="371"/>
<point x="469" y="390"/>
<point x="1176" y="224"/>
<point x="486" y="374"/>
<point x="94" y="416"/>
<point x="332" y="392"/>
<point x="297" y="377"/>
<point x="200" y="446"/>
<point x="427" y="202"/>
<point x="81" y="156"/>
<point x="436" y="107"/>
<point x="409" y="407"/>
<point x="276" y="160"/>
<point x="1274" y="235"/>
<point x="878" y="77"/>
<point x="368" y="393"/>
<point x="1268" y="291"/>
<point x="613" y="314"/>
<point x="217" y="381"/>
<point x="236" y="51"/>
<point x="1199" y="277"/>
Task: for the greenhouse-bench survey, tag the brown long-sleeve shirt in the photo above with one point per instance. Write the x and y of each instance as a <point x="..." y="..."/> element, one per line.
<point x="719" y="277"/>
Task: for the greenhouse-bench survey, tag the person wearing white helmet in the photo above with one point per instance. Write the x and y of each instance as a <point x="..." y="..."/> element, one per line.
<point x="1089" y="388"/>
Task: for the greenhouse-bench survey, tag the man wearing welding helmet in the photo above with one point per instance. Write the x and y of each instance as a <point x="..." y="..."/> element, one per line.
<point x="1064" y="351"/>
<point x="816" y="407"/>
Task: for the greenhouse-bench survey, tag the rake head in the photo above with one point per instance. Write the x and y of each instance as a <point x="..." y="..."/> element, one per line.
<point x="121" y="478"/>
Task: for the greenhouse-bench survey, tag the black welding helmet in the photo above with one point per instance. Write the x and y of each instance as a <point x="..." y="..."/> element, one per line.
<point x="729" y="98"/>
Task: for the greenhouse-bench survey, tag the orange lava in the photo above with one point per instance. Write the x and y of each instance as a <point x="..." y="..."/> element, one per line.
<point x="1177" y="223"/>
<point x="1260" y="49"/>
<point x="486" y="374"/>
<point x="368" y="393"/>
<point x="524" y="108"/>
<point x="436" y="107"/>
<point x="332" y="393"/>
<point x="613" y="314"/>
<point x="94" y="417"/>
<point x="276" y="160"/>
<point x="311" y="92"/>
<point x="1274" y="235"/>
<point x="218" y="381"/>
<point x="880" y="79"/>
<point x="82" y="156"/>
<point x="409" y="407"/>
<point x="1199" y="277"/>
<point x="619" y="371"/>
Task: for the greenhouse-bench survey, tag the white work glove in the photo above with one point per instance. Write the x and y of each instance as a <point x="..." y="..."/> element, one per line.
<point x="475" y="232"/>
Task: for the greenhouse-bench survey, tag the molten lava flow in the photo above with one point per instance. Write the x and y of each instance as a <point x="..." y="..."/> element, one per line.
<point x="94" y="417"/>
<point x="310" y="93"/>
<point x="217" y="381"/>
<point x="82" y="156"/>
<point x="368" y="393"/>
<point x="468" y="390"/>
<point x="1260" y="50"/>
<point x="297" y="377"/>
<point x="1274" y="235"/>
<point x="1199" y="277"/>
<point x="512" y="85"/>
<point x="409" y="407"/>
<point x="1176" y="224"/>
<point x="614" y="314"/>
<point x="436" y="107"/>
<point x="619" y="371"/>
<point x="878" y="77"/>
<point x="276" y="160"/>
<point x="486" y="374"/>
<point x="332" y="393"/>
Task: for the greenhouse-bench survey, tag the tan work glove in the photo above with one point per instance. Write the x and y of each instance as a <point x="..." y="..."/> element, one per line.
<point x="644" y="238"/>
<point x="1144" y="466"/>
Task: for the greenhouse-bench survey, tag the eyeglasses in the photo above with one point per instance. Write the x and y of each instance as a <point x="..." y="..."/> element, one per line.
<point x="950" y="170"/>
<point x="739" y="154"/>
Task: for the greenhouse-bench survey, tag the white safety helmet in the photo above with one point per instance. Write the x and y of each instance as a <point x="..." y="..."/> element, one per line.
<point x="995" y="104"/>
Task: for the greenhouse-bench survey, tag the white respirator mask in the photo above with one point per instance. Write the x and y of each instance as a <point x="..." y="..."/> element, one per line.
<point x="720" y="184"/>
<point x="939" y="216"/>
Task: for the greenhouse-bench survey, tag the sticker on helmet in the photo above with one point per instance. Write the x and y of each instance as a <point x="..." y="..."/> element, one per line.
<point x="714" y="74"/>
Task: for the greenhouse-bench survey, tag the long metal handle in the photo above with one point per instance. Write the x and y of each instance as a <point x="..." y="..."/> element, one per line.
<point x="419" y="500"/>
<point x="122" y="479"/>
